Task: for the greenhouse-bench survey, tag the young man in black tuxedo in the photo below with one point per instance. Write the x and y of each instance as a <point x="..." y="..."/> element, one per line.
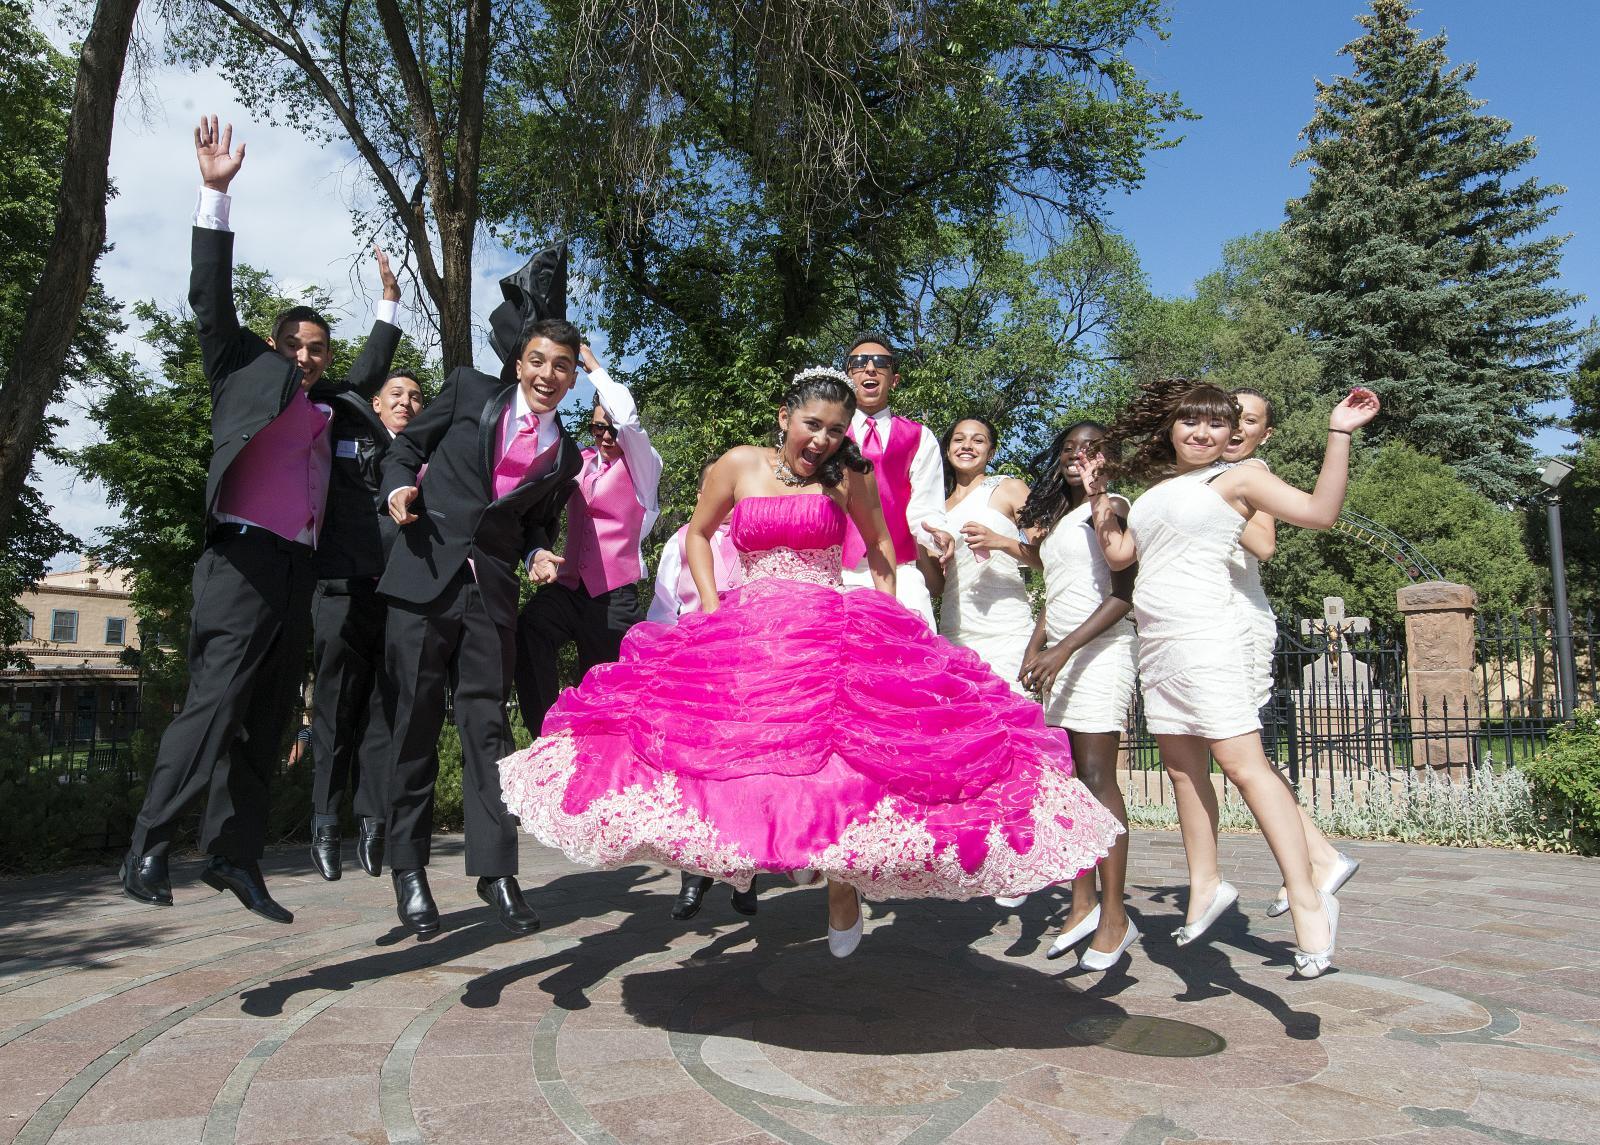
<point x="500" y="470"/>
<point x="350" y="727"/>
<point x="265" y="500"/>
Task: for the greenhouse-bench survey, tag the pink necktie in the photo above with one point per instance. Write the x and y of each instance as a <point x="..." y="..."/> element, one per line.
<point x="872" y="447"/>
<point x="513" y="464"/>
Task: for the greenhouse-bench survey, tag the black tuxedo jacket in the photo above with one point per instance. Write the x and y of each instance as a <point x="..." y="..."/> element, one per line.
<point x="251" y="383"/>
<point x="457" y="513"/>
<point x="355" y="540"/>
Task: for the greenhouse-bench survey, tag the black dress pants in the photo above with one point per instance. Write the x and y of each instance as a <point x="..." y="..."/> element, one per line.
<point x="349" y="724"/>
<point x="554" y="616"/>
<point x="247" y="643"/>
<point x="452" y="642"/>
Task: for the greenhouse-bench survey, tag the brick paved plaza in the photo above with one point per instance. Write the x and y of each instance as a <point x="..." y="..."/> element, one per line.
<point x="1466" y="1008"/>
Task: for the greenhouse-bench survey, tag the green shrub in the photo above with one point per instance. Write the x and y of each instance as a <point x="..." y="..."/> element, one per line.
<point x="447" y="810"/>
<point x="1565" y="778"/>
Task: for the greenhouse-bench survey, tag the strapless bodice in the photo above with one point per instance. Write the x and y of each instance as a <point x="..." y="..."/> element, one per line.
<point x="793" y="538"/>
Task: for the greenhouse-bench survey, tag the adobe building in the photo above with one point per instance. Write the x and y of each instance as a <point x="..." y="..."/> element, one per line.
<point x="81" y="688"/>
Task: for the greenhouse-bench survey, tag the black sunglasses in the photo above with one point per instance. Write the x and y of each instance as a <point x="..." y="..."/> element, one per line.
<point x="602" y="429"/>
<point x="862" y="361"/>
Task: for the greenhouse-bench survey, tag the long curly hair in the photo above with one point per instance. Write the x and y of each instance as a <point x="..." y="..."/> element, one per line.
<point x="823" y="384"/>
<point x="1050" y="498"/>
<point x="944" y="447"/>
<point x="1142" y="436"/>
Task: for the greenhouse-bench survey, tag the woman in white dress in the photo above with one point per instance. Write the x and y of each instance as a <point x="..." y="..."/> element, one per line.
<point x="985" y="606"/>
<point x="1085" y="674"/>
<point x="1330" y="867"/>
<point x="1195" y="644"/>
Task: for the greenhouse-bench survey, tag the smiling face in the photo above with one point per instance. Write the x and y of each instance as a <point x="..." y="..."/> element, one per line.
<point x="870" y="367"/>
<point x="306" y="345"/>
<point x="546" y="372"/>
<point x="1254" y="428"/>
<point x="971" y="447"/>
<point x="1083" y="443"/>
<point x="813" y="432"/>
<point x="398" y="402"/>
<point x="1199" y="438"/>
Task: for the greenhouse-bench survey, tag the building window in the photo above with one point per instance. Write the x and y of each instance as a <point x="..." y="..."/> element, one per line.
<point x="27" y="626"/>
<point x="64" y="625"/>
<point x="116" y="630"/>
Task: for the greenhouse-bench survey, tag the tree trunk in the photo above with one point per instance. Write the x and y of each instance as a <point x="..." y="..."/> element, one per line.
<point x="51" y="319"/>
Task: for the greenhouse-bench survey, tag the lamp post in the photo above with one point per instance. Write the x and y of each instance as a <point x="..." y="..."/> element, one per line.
<point x="1551" y="477"/>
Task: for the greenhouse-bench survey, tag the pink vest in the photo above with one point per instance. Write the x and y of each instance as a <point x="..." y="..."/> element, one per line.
<point x="726" y="568"/>
<point x="604" y="519"/>
<point x="280" y="478"/>
<point x="893" y="472"/>
<point x="533" y="467"/>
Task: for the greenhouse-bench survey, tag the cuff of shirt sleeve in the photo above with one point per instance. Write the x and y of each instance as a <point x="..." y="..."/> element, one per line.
<point x="387" y="310"/>
<point x="211" y="210"/>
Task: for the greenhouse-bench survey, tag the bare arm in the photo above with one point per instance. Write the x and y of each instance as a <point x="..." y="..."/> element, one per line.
<point x="716" y="502"/>
<point x="1251" y="489"/>
<point x="1041" y="666"/>
<point x="1110" y="529"/>
<point x="1260" y="536"/>
<point x="866" y="510"/>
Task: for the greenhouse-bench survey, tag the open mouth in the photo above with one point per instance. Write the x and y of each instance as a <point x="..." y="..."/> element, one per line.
<point x="809" y="459"/>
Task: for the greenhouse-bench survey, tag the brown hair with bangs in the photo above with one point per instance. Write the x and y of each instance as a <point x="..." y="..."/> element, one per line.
<point x="1146" y="426"/>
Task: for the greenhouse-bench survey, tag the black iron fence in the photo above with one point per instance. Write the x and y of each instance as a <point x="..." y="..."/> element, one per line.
<point x="1341" y="712"/>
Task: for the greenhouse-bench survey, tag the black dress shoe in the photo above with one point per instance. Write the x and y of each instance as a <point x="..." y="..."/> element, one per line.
<point x="245" y="881"/>
<point x="325" y="853"/>
<point x="691" y="897"/>
<point x="144" y="879"/>
<point x="369" y="846"/>
<point x="745" y="901"/>
<point x="505" y="896"/>
<point x="414" y="903"/>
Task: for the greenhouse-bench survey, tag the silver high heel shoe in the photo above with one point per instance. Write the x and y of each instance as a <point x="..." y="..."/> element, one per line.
<point x="1308" y="964"/>
<point x="1105" y="959"/>
<point x="1343" y="870"/>
<point x="1227" y="894"/>
<point x="842" y="943"/>
<point x="1070" y="938"/>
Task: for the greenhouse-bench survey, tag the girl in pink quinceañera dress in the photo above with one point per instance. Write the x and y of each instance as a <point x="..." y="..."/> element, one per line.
<point x="790" y="726"/>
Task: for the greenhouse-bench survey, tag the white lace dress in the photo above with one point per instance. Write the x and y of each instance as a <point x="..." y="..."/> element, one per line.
<point x="986" y="606"/>
<point x="1196" y="646"/>
<point x="1094" y="691"/>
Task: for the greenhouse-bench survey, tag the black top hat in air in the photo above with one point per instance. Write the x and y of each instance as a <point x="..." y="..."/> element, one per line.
<point x="536" y="291"/>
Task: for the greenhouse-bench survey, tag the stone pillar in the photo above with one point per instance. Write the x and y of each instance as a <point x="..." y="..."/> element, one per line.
<point x="1441" y="651"/>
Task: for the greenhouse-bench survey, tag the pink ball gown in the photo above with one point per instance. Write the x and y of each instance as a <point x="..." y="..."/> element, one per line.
<point x="802" y="726"/>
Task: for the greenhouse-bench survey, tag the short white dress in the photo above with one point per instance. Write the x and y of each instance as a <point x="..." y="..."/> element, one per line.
<point x="1263" y="622"/>
<point x="1196" y="647"/>
<point x="986" y="606"/>
<point x="1094" y="691"/>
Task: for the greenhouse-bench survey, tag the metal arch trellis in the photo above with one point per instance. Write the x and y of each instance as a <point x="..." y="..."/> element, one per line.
<point x="1399" y="551"/>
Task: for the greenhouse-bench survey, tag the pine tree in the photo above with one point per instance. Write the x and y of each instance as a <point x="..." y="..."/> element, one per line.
<point x="1417" y="259"/>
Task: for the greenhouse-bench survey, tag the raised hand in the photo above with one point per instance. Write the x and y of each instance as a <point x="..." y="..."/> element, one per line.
<point x="1093" y="469"/>
<point x="1359" y="408"/>
<point x="391" y="285"/>
<point x="213" y="148"/>
<point x="587" y="359"/>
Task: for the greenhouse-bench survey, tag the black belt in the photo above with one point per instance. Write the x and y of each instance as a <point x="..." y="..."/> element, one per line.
<point x="229" y="530"/>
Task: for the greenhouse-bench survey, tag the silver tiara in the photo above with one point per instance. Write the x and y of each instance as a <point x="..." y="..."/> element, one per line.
<point x="811" y="373"/>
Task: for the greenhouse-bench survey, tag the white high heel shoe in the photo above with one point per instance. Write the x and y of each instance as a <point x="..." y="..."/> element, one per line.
<point x="1308" y="964"/>
<point x="1010" y="902"/>
<point x="1070" y="938"/>
<point x="842" y="943"/>
<point x="1342" y="872"/>
<point x="1105" y="959"/>
<point x="1227" y="894"/>
<point x="804" y="876"/>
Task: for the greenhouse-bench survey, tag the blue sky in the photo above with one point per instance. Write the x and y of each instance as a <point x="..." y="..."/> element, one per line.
<point x="1248" y="67"/>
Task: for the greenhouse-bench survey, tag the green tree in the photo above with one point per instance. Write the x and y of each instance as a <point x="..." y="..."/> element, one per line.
<point x="753" y="182"/>
<point x="154" y="449"/>
<point x="36" y="92"/>
<point x="1472" y="540"/>
<point x="1419" y="259"/>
